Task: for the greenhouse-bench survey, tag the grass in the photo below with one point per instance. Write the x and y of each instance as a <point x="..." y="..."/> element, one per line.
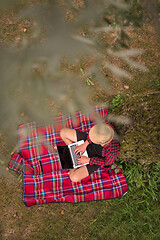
<point x="155" y="82"/>
<point x="140" y="139"/>
<point x="134" y="216"/>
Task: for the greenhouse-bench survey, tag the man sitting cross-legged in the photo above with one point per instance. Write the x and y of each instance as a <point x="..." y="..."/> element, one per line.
<point x="102" y="146"/>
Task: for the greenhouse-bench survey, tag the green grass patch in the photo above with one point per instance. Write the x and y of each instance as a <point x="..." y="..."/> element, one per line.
<point x="155" y="82"/>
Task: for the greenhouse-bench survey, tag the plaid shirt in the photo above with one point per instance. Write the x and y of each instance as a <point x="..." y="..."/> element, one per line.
<point x="108" y="153"/>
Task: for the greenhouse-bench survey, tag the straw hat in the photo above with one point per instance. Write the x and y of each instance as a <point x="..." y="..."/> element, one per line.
<point x="101" y="134"/>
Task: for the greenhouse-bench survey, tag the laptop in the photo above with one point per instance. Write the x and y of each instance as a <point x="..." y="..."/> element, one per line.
<point x="67" y="156"/>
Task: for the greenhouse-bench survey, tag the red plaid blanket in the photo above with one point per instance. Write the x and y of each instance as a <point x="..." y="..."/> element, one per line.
<point x="44" y="180"/>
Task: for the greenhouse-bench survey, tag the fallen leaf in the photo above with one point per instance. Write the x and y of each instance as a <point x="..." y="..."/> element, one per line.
<point x="16" y="215"/>
<point x="62" y="212"/>
<point x="126" y="87"/>
<point x="10" y="22"/>
<point x="39" y="208"/>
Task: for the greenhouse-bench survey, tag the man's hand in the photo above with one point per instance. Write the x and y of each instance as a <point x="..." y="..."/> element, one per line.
<point x="81" y="148"/>
<point x="83" y="160"/>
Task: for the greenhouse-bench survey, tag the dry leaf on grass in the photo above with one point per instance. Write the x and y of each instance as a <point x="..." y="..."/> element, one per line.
<point x="62" y="212"/>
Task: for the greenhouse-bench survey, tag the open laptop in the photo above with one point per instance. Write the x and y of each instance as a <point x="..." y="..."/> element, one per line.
<point x="68" y="157"/>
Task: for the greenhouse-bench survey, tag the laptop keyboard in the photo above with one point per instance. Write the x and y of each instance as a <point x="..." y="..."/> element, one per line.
<point x="75" y="156"/>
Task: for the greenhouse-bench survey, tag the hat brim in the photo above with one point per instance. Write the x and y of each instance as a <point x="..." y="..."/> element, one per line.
<point x="101" y="139"/>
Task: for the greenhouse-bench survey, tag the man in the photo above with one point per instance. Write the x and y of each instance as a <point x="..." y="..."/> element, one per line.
<point x="102" y="146"/>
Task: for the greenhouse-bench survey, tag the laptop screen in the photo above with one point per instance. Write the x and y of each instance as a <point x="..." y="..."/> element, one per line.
<point x="65" y="157"/>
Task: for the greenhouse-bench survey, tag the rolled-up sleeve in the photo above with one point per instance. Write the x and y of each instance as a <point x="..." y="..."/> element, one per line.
<point x="109" y="154"/>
